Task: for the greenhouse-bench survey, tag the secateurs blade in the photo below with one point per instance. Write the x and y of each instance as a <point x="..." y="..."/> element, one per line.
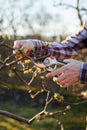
<point x="50" y="64"/>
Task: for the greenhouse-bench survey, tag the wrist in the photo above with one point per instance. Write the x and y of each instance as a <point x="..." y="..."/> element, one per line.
<point x="31" y="46"/>
<point x="83" y="73"/>
<point x="40" y="48"/>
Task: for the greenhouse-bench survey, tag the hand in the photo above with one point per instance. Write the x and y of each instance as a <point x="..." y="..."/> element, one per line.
<point x="68" y="74"/>
<point x="26" y="46"/>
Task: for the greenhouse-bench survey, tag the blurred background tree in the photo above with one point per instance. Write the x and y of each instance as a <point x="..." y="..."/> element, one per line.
<point x="43" y="18"/>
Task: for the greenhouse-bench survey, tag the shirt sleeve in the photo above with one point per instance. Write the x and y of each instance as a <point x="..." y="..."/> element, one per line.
<point x="69" y="47"/>
<point x="65" y="49"/>
<point x="83" y="73"/>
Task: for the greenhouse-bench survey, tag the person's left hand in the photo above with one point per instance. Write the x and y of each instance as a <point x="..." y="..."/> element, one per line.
<point x="25" y="45"/>
<point x="68" y="74"/>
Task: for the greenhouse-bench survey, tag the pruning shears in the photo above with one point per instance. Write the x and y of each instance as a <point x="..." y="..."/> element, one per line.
<point x="50" y="64"/>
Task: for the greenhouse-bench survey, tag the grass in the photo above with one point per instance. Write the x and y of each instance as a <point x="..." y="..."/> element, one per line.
<point x="74" y="120"/>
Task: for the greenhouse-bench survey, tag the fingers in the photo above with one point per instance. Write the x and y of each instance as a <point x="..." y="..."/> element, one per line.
<point x="60" y="70"/>
<point x="64" y="82"/>
<point x="57" y="72"/>
<point x="68" y="60"/>
<point x="68" y="74"/>
<point x="17" y="44"/>
<point x="25" y="44"/>
<point x="66" y="79"/>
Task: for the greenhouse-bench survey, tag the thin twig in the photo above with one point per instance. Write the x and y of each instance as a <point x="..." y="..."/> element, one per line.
<point x="20" y="77"/>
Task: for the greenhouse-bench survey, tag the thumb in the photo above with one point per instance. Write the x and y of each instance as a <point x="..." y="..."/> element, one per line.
<point x="68" y="60"/>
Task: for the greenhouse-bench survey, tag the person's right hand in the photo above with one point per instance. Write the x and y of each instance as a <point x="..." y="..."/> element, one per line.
<point x="25" y="45"/>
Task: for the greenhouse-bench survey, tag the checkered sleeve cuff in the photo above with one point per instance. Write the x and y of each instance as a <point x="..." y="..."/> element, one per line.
<point x="83" y="73"/>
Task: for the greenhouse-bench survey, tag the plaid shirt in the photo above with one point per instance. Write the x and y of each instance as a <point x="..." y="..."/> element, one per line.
<point x="66" y="49"/>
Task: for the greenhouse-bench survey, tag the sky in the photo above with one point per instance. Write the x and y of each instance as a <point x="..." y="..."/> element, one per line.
<point x="68" y="21"/>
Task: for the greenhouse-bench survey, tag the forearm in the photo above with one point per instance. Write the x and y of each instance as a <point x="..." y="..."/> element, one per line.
<point x="83" y="73"/>
<point x="70" y="46"/>
<point x="65" y="49"/>
<point x="40" y="48"/>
